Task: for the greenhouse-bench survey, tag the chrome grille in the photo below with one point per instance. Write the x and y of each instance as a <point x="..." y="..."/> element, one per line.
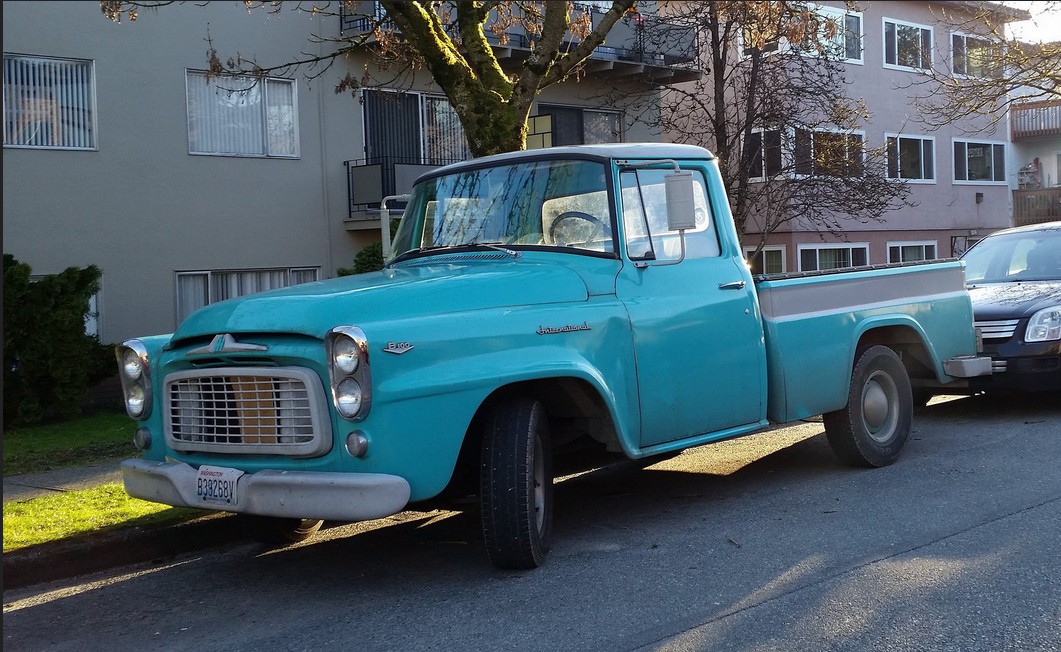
<point x="998" y="330"/>
<point x="279" y="411"/>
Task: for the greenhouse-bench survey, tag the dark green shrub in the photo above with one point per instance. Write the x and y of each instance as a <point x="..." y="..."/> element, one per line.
<point x="369" y="259"/>
<point x="49" y="361"/>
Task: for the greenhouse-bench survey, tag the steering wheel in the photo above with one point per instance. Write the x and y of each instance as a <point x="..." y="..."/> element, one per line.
<point x="592" y="228"/>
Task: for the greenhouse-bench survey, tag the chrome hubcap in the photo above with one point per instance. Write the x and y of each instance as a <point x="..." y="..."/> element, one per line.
<point x="879" y="396"/>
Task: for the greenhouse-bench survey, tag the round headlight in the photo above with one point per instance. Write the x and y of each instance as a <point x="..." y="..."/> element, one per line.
<point x="348" y="398"/>
<point x="346" y="354"/>
<point x="132" y="365"/>
<point x="134" y="401"/>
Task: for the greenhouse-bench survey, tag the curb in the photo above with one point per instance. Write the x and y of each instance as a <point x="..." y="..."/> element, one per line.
<point x="98" y="551"/>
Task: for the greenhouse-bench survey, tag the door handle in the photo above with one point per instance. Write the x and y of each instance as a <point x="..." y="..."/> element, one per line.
<point x="735" y="285"/>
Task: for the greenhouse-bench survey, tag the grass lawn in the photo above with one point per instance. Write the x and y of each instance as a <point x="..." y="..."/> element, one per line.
<point x="68" y="514"/>
<point x="78" y="442"/>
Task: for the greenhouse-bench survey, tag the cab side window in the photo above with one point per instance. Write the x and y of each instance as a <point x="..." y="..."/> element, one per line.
<point x="645" y="218"/>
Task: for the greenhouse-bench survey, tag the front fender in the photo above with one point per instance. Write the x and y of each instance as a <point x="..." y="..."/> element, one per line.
<point x="425" y="399"/>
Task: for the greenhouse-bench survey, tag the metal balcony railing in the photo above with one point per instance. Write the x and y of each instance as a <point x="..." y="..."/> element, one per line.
<point x="1036" y="206"/>
<point x="369" y="180"/>
<point x="668" y="52"/>
<point x="1036" y="119"/>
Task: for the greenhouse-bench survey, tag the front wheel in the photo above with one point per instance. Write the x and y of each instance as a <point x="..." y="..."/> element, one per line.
<point x="873" y="427"/>
<point x="516" y="485"/>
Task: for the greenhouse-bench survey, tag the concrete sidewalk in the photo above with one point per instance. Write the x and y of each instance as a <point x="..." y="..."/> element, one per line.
<point x="35" y="485"/>
<point x="104" y="549"/>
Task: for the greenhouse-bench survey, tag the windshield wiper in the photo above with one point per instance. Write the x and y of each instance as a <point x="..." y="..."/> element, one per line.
<point x="424" y="251"/>
<point x="497" y="247"/>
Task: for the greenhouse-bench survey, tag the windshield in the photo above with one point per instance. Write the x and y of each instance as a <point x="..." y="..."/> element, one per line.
<point x="1021" y="256"/>
<point x="551" y="203"/>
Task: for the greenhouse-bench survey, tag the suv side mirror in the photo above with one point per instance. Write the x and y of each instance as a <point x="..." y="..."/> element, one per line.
<point x="680" y="204"/>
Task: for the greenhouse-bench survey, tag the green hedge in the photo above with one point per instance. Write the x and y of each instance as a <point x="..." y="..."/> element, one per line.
<point x="49" y="361"/>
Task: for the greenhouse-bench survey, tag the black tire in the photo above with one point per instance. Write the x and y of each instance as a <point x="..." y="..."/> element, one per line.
<point x="873" y="427"/>
<point x="279" y="531"/>
<point x="516" y="485"/>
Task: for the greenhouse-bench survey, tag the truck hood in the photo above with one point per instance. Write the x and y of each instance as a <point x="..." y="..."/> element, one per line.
<point x="425" y="289"/>
<point x="997" y="301"/>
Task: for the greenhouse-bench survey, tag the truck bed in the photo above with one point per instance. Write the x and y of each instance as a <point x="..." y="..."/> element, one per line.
<point x="814" y="322"/>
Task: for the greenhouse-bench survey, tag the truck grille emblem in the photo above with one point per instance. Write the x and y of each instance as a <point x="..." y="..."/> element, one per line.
<point x="225" y="343"/>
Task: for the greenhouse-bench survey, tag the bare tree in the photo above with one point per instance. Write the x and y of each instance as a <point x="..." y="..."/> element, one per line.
<point x="773" y="108"/>
<point x="984" y="69"/>
<point x="451" y="40"/>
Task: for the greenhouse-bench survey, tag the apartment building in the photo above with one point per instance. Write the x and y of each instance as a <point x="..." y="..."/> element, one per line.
<point x="120" y="152"/>
<point x="961" y="175"/>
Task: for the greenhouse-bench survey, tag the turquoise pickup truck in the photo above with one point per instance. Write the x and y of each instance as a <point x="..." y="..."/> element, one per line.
<point x="536" y="307"/>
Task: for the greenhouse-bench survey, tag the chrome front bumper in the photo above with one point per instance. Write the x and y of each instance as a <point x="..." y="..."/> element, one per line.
<point x="293" y="494"/>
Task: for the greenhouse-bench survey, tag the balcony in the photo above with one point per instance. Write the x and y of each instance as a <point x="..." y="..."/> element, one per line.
<point x="1035" y="119"/>
<point x="641" y="45"/>
<point x="1036" y="206"/>
<point x="368" y="181"/>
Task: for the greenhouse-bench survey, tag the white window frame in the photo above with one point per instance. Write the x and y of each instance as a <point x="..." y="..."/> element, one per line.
<point x="850" y="246"/>
<point x="900" y="244"/>
<point x="214" y="144"/>
<point x="839" y="41"/>
<point x="208" y="274"/>
<point x="979" y="182"/>
<point x="824" y="130"/>
<point x="782" y="249"/>
<point x="902" y="23"/>
<point x="52" y="105"/>
<point x="922" y="139"/>
<point x="978" y="37"/>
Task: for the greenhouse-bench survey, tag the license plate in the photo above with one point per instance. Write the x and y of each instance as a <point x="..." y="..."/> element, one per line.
<point x="217" y="485"/>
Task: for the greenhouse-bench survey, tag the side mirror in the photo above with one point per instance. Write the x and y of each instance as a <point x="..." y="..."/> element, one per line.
<point x="680" y="205"/>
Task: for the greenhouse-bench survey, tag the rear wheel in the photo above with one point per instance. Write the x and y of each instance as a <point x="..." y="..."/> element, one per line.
<point x="873" y="427"/>
<point x="279" y="531"/>
<point x="516" y="485"/>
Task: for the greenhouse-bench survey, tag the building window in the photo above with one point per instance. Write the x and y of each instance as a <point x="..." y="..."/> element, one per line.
<point x="979" y="162"/>
<point x="907" y="45"/>
<point x="757" y="39"/>
<point x="817" y="257"/>
<point x="578" y="126"/>
<point x="413" y="128"/>
<point x="911" y="157"/>
<point x="242" y="116"/>
<point x="908" y="252"/>
<point x="839" y="35"/>
<point x="828" y="153"/>
<point x="769" y="260"/>
<point x="765" y="148"/>
<point x="975" y="57"/>
<point x="49" y="103"/>
<point x="201" y="288"/>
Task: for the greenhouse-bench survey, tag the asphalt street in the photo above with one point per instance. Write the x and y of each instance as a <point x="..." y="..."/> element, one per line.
<point x="761" y="543"/>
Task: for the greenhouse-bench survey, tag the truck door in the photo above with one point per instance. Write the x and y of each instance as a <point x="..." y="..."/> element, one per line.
<point x="698" y="343"/>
